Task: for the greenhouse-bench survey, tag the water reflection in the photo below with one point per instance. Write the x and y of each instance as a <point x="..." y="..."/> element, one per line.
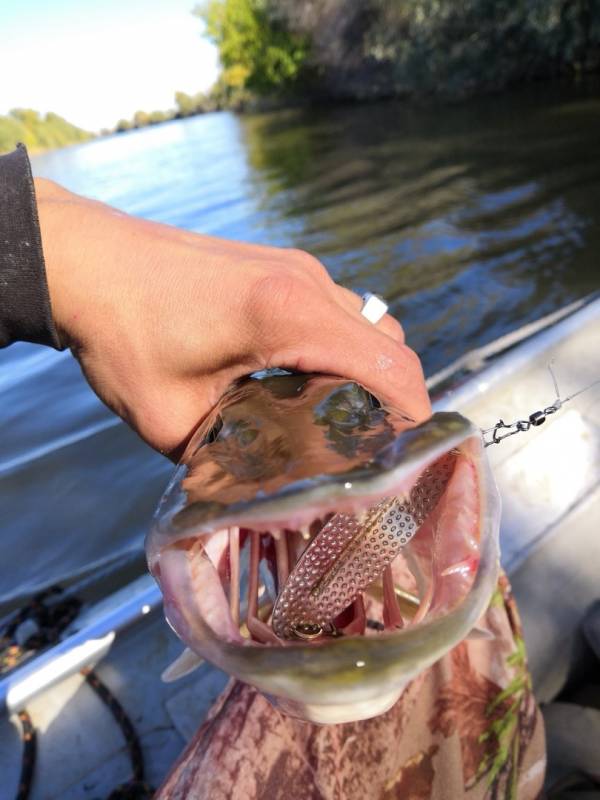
<point x="471" y="220"/>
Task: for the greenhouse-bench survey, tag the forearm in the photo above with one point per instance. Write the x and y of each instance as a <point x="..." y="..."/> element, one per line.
<point x="25" y="313"/>
<point x="70" y="235"/>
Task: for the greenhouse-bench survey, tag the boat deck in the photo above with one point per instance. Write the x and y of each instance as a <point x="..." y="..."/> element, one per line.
<point x="549" y="479"/>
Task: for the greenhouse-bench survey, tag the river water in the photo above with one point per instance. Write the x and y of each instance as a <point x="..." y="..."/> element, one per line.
<point x="472" y="220"/>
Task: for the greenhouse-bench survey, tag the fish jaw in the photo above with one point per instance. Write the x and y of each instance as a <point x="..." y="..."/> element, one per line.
<point x="348" y="678"/>
<point x="450" y="563"/>
<point x="339" y="713"/>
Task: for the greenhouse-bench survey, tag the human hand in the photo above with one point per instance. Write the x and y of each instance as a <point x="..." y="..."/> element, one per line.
<point x="163" y="320"/>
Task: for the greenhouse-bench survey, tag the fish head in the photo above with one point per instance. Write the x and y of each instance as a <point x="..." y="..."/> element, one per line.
<point x="319" y="545"/>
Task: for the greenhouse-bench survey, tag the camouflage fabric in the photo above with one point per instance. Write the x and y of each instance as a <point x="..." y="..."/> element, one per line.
<point x="468" y="727"/>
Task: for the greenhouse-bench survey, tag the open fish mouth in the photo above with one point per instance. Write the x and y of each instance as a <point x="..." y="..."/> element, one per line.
<point x="324" y="548"/>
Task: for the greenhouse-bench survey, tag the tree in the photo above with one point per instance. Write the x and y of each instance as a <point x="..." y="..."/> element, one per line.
<point x="381" y="48"/>
<point x="158" y="116"/>
<point x="141" y="119"/>
<point x="256" y="52"/>
<point x="37" y="132"/>
<point x="185" y="104"/>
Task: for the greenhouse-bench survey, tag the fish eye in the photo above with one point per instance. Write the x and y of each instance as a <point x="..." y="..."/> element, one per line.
<point x="213" y="433"/>
<point x="374" y="402"/>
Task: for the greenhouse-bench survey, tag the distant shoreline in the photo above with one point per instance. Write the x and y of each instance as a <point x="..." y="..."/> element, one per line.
<point x="260" y="105"/>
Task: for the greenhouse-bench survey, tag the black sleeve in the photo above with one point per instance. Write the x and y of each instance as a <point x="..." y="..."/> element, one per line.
<point x="25" y="313"/>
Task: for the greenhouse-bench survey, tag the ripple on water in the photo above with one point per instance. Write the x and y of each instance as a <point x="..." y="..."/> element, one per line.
<point x="472" y="220"/>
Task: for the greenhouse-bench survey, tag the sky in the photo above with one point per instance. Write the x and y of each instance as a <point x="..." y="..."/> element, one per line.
<point x="97" y="61"/>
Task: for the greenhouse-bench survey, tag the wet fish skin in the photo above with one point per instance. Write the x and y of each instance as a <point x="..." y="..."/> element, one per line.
<point x="320" y="454"/>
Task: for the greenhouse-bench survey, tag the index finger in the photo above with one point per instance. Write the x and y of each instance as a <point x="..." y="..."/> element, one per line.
<point x="336" y="342"/>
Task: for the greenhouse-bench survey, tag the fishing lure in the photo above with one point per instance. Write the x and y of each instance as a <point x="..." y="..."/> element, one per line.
<point x="351" y="551"/>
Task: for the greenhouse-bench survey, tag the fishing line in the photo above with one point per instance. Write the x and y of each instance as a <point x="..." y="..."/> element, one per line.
<point x="502" y="430"/>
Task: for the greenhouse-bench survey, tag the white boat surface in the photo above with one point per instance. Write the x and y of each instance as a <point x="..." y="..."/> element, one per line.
<point x="549" y="479"/>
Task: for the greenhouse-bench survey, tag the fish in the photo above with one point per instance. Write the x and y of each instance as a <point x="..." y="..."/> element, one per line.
<point x="319" y="545"/>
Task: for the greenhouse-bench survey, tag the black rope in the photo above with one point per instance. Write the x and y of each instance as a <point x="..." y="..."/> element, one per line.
<point x="50" y="620"/>
<point x="28" y="736"/>
<point x="124" y="723"/>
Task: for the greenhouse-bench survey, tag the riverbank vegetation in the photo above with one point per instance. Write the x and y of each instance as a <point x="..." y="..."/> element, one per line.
<point x="258" y="51"/>
<point x="37" y="132"/>
<point x="275" y="52"/>
<point x="368" y="49"/>
<point x="186" y="105"/>
<point x="259" y="59"/>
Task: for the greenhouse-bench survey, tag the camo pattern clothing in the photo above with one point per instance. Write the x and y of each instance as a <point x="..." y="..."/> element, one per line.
<point x="467" y="728"/>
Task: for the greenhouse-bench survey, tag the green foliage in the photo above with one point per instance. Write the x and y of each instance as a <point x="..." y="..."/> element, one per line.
<point x="190" y="104"/>
<point x="506" y="728"/>
<point x="154" y="117"/>
<point x="482" y="43"/>
<point x="11" y="132"/>
<point x="185" y="104"/>
<point x="380" y="48"/>
<point x="123" y="125"/>
<point x="36" y="132"/>
<point x="141" y="119"/>
<point x="256" y="51"/>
